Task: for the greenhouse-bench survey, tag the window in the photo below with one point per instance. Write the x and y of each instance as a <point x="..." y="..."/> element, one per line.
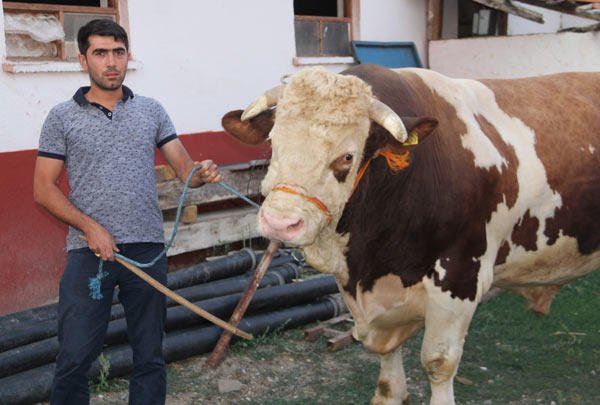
<point x="323" y="27"/>
<point x="47" y="29"/>
<point x="475" y="19"/>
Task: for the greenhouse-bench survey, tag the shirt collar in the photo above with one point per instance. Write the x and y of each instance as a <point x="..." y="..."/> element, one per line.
<point x="80" y="99"/>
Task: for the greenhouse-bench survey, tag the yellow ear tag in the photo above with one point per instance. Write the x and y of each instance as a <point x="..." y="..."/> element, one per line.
<point x="413" y="139"/>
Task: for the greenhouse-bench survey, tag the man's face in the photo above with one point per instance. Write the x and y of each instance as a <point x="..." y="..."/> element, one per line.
<point x="105" y="61"/>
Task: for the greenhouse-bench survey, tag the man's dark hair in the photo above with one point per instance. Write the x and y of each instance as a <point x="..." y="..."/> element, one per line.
<point x="105" y="28"/>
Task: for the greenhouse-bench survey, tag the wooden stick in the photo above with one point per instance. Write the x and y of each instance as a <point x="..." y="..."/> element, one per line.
<point x="220" y="348"/>
<point x="180" y="300"/>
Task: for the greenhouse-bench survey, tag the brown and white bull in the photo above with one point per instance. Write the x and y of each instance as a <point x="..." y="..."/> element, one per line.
<point x="420" y="193"/>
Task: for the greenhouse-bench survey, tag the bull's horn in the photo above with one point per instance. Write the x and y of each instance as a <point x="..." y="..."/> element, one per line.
<point x="387" y="118"/>
<point x="263" y="103"/>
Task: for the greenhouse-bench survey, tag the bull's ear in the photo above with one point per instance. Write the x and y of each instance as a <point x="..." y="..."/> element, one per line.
<point x="253" y="131"/>
<point x="418" y="128"/>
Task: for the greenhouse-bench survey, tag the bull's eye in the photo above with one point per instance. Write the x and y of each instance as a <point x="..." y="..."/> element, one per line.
<point x="341" y="166"/>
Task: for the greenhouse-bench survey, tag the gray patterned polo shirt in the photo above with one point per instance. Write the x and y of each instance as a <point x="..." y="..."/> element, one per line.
<point x="109" y="158"/>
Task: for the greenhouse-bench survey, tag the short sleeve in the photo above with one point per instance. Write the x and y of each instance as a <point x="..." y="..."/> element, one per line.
<point x="52" y="137"/>
<point x="166" y="130"/>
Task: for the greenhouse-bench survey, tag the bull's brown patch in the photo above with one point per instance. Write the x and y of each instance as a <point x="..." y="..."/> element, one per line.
<point x="508" y="184"/>
<point x="525" y="232"/>
<point x="384" y="389"/>
<point x="502" y="254"/>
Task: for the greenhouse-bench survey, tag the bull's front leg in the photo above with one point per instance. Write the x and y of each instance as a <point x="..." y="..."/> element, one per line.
<point x="447" y="321"/>
<point x="391" y="384"/>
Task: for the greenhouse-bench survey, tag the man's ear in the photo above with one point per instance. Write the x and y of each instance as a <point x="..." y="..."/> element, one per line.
<point x="83" y="62"/>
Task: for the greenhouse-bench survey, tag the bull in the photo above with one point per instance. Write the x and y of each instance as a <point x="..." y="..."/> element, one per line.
<point x="421" y="193"/>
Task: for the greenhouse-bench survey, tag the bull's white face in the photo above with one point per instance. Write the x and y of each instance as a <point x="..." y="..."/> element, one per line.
<point x="317" y="160"/>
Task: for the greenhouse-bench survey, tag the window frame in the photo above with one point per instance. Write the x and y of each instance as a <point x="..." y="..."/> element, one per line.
<point x="116" y="8"/>
<point x="320" y="20"/>
<point x="351" y="18"/>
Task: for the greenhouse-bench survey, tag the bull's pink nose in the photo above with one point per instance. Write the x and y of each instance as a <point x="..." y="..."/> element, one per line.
<point x="283" y="229"/>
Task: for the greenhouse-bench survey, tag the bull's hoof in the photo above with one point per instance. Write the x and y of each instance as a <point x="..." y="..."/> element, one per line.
<point x="381" y="401"/>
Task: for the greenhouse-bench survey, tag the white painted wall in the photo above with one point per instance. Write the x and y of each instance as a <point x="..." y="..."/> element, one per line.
<point x="529" y="49"/>
<point x="395" y="21"/>
<point x="553" y="22"/>
<point x="203" y="58"/>
<point x="218" y="54"/>
<point x="200" y="59"/>
<point x="518" y="56"/>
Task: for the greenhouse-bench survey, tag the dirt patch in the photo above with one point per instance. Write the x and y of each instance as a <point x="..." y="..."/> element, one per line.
<point x="282" y="368"/>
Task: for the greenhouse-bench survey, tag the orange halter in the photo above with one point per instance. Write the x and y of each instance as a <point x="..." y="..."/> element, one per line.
<point x="395" y="162"/>
<point x="312" y="200"/>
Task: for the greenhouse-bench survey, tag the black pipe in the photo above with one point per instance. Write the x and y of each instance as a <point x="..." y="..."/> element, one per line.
<point x="34" y="385"/>
<point x="23" y="332"/>
<point x="44" y="351"/>
<point x="233" y="264"/>
<point x="280" y="274"/>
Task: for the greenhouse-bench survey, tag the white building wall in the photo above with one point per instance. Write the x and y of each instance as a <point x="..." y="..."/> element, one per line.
<point x="553" y="22"/>
<point x="211" y="58"/>
<point x="203" y="58"/>
<point x="529" y="49"/>
<point x="517" y="56"/>
<point x="198" y="58"/>
<point x="395" y="21"/>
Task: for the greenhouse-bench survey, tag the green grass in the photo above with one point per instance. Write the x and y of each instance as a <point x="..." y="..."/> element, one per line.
<point x="511" y="357"/>
<point x="527" y="358"/>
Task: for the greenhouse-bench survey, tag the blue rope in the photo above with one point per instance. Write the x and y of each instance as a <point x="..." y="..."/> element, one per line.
<point x="95" y="283"/>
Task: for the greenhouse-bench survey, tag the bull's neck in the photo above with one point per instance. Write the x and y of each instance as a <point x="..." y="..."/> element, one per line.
<point x="326" y="254"/>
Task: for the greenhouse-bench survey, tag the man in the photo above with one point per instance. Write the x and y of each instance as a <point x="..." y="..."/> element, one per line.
<point x="105" y="138"/>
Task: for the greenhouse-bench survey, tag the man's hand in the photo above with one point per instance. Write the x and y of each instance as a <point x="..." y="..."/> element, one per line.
<point x="178" y="158"/>
<point x="101" y="242"/>
<point x="47" y="194"/>
<point x="208" y="173"/>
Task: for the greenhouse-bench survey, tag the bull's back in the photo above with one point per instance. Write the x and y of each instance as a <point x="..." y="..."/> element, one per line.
<point x="563" y="111"/>
<point x="530" y="151"/>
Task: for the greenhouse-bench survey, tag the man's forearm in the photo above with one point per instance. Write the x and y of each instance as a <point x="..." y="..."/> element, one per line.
<point x="57" y="204"/>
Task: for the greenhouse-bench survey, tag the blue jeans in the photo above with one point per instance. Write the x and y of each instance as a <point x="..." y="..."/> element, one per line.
<point x="82" y="324"/>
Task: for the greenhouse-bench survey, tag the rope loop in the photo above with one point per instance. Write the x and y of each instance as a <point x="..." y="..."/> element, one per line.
<point x="95" y="283"/>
